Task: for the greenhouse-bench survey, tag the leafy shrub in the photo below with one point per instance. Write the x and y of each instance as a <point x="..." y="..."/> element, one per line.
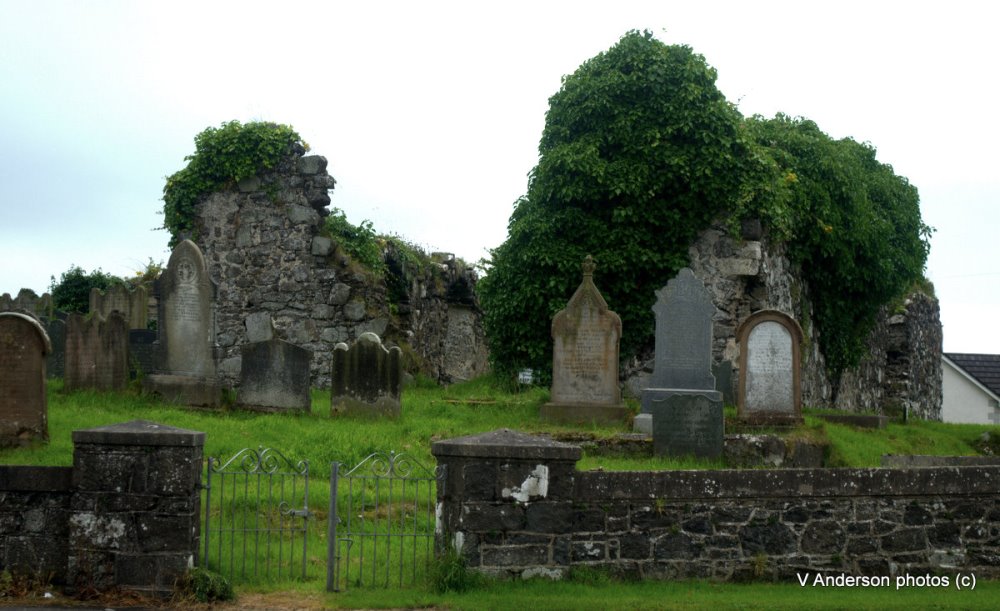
<point x="223" y="156"/>
<point x="359" y="241"/>
<point x="449" y="573"/>
<point x="205" y="586"/>
<point x="72" y="292"/>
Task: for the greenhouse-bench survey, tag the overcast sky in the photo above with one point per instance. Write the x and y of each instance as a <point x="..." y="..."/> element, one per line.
<point x="430" y="112"/>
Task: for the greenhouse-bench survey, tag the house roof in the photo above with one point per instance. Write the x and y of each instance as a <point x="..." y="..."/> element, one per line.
<point x="984" y="368"/>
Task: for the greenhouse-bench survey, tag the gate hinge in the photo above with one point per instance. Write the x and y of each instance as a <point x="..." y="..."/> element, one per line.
<point x="300" y="513"/>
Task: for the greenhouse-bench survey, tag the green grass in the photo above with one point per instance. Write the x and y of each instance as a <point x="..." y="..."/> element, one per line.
<point x="430" y="414"/>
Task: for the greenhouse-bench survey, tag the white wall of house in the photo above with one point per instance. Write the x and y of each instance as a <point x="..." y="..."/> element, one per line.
<point x="964" y="399"/>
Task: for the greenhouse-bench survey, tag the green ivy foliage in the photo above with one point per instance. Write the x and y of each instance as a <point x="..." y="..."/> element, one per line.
<point x="640" y="152"/>
<point x="223" y="156"/>
<point x="359" y="241"/>
<point x="857" y="233"/>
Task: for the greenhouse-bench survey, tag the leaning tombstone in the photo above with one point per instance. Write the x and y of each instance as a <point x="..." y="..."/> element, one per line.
<point x="185" y="347"/>
<point x="770" y="387"/>
<point x="682" y="366"/>
<point x="366" y="378"/>
<point x="585" y="339"/>
<point x="23" y="406"/>
<point x="274" y="375"/>
<point x="96" y="352"/>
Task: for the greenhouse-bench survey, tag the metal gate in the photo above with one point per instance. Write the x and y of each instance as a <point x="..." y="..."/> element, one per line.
<point x="381" y="522"/>
<point x="256" y="512"/>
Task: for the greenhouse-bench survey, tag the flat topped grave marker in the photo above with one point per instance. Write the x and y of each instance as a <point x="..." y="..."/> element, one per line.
<point x="585" y="359"/>
<point x="683" y="346"/>
<point x="366" y="379"/>
<point x="770" y="369"/>
<point x="275" y="374"/>
<point x="23" y="406"/>
<point x="96" y="352"/>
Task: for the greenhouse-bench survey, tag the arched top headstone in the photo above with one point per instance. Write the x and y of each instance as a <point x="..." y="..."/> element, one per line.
<point x="29" y="322"/>
<point x="770" y="368"/>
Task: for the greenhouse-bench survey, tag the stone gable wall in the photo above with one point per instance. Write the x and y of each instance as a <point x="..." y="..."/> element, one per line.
<point x="264" y="246"/>
<point x="901" y="372"/>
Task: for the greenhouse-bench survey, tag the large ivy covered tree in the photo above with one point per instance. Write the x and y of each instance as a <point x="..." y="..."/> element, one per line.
<point x="639" y="153"/>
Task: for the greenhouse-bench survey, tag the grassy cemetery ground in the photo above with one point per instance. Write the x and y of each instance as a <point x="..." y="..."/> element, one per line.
<point x="431" y="413"/>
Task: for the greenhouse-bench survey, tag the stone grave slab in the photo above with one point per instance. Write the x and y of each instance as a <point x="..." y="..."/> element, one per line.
<point x="96" y="352"/>
<point x="132" y="304"/>
<point x="274" y="377"/>
<point x="23" y="401"/>
<point x="688" y="424"/>
<point x="366" y="378"/>
<point x="770" y="369"/>
<point x="585" y="339"/>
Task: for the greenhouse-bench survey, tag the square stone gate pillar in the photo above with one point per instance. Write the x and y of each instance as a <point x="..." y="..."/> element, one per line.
<point x="135" y="519"/>
<point x="506" y="504"/>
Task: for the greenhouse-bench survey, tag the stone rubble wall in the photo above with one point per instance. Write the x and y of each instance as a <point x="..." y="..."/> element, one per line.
<point x="264" y="246"/>
<point x="902" y="369"/>
<point x="523" y="510"/>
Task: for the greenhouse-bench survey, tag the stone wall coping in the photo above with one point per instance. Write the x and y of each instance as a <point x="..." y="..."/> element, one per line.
<point x="505" y="443"/>
<point x="140" y="433"/>
<point x="19" y="478"/>
<point x="789" y="483"/>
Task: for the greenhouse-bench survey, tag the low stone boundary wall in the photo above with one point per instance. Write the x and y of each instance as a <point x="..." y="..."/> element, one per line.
<point x="514" y="504"/>
<point x="125" y="515"/>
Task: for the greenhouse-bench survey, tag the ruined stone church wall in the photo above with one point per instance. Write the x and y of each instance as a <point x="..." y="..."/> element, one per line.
<point x="901" y="371"/>
<point x="265" y="249"/>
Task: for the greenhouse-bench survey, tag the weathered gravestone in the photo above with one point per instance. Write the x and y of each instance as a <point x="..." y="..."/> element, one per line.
<point x="770" y="369"/>
<point x="682" y="365"/>
<point x="185" y="347"/>
<point x="141" y="352"/>
<point x="55" y="365"/>
<point x="133" y="305"/>
<point x="366" y="378"/>
<point x="274" y="374"/>
<point x="96" y="352"/>
<point x="23" y="406"/>
<point x="585" y="339"/>
<point x="688" y="424"/>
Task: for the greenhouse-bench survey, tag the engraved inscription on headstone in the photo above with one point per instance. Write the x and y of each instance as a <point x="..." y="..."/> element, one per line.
<point x="185" y="346"/>
<point x="23" y="406"/>
<point x="585" y="358"/>
<point x="769" y="368"/>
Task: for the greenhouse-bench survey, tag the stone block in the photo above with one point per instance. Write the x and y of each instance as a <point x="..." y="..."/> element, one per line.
<point x="310" y="165"/>
<point x="260" y="327"/>
<point x="322" y="246"/>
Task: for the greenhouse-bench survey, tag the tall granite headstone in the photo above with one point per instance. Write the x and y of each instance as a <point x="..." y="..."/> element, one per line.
<point x="770" y="369"/>
<point x="585" y="339"/>
<point x="682" y="363"/>
<point x="96" y="352"/>
<point x="274" y="375"/>
<point x="185" y="346"/>
<point x="366" y="378"/>
<point x="23" y="405"/>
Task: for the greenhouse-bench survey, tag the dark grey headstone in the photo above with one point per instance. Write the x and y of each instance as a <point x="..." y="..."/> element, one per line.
<point x="274" y="377"/>
<point x="683" y="345"/>
<point x="688" y="424"/>
<point x="683" y="339"/>
<point x="366" y="378"/>
<point x="141" y="350"/>
<point x="725" y="378"/>
<point x="55" y="366"/>
<point x="23" y="405"/>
